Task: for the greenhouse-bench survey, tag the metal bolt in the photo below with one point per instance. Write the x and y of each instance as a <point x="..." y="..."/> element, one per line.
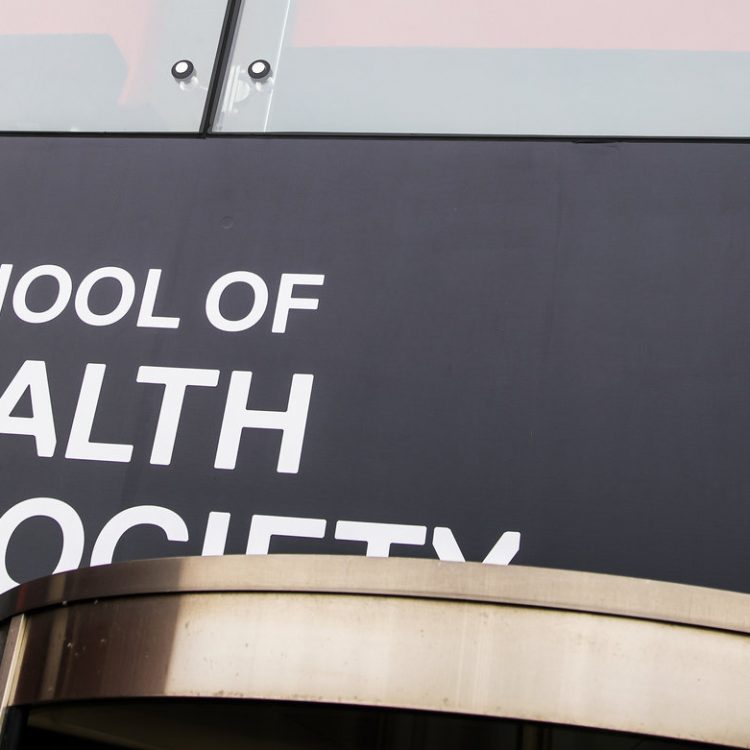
<point x="259" y="70"/>
<point x="183" y="69"/>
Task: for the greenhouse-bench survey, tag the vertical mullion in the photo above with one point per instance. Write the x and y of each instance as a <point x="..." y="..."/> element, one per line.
<point x="223" y="52"/>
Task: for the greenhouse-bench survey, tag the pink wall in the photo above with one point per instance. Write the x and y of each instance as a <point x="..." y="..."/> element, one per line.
<point x="583" y="24"/>
<point x="132" y="24"/>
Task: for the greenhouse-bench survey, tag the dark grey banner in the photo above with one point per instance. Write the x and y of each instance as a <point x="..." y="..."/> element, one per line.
<point x="529" y="353"/>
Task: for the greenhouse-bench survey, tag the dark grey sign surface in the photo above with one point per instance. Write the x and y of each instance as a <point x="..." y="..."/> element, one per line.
<point x="525" y="352"/>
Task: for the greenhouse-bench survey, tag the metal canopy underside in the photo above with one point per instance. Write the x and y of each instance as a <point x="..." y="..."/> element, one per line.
<point x="533" y="644"/>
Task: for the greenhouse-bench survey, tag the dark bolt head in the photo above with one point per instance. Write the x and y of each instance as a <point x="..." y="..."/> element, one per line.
<point x="259" y="70"/>
<point x="183" y="69"/>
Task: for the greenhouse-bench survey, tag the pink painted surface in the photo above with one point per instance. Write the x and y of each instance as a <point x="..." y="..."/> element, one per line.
<point x="698" y="25"/>
<point x="132" y="24"/>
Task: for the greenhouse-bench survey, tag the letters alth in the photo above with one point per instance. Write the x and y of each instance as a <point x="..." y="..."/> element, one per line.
<point x="32" y="376"/>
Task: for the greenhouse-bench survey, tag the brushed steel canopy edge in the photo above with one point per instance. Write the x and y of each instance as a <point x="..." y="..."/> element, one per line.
<point x="395" y="577"/>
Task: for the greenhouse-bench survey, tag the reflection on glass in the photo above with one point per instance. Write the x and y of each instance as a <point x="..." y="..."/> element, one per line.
<point x="541" y="67"/>
<point x="105" y="65"/>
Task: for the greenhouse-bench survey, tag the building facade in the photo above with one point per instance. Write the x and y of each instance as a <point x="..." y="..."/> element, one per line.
<point x="290" y="287"/>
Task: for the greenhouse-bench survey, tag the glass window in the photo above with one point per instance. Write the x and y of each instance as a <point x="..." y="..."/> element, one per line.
<point x="106" y="65"/>
<point x="537" y="67"/>
<point x="268" y="725"/>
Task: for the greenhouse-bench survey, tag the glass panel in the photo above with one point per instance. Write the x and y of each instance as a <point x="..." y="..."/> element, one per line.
<point x="267" y="725"/>
<point x="538" y="67"/>
<point x="105" y="65"/>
